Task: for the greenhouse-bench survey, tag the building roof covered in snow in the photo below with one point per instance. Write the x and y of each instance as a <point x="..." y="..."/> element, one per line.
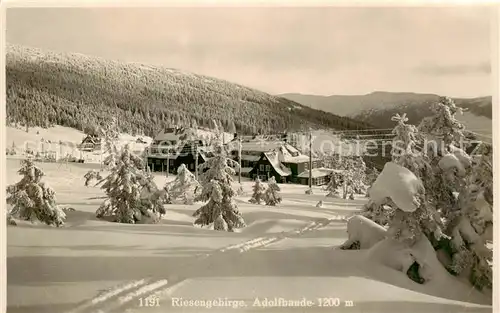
<point x="174" y="135"/>
<point x="316" y="172"/>
<point x="246" y="169"/>
<point x="273" y="158"/>
<point x="251" y="150"/>
<point x="91" y="139"/>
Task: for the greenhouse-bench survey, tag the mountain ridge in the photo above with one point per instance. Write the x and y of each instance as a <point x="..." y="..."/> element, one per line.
<point x="377" y="107"/>
<point x="76" y="90"/>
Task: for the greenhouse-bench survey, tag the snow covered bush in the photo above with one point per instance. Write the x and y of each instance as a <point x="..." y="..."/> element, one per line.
<point x="183" y="186"/>
<point x="31" y="199"/>
<point x="92" y="175"/>
<point x="216" y="180"/>
<point x="132" y="194"/>
<point x="400" y="185"/>
<point x="272" y="196"/>
<point x="259" y="190"/>
<point x="363" y="233"/>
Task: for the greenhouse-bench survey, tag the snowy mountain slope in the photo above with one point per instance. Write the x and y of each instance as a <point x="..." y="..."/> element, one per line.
<point x="378" y="107"/>
<point x="79" y="91"/>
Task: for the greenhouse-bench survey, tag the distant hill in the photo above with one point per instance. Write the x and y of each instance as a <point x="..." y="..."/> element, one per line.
<point x="46" y="88"/>
<point x="377" y="108"/>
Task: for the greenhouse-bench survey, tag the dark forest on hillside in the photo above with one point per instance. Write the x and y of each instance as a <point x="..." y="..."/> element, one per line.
<point x="46" y="88"/>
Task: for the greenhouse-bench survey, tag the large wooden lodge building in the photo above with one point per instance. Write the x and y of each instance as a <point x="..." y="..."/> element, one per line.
<point x="260" y="157"/>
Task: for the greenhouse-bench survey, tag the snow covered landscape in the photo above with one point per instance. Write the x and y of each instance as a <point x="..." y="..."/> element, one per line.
<point x="142" y="175"/>
<point x="281" y="253"/>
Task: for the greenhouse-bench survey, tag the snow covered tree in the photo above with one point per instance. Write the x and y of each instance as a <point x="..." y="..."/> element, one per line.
<point x="183" y="185"/>
<point x="359" y="175"/>
<point x="370" y="179"/>
<point x="194" y="124"/>
<point x="272" y="196"/>
<point x="469" y="218"/>
<point x="109" y="137"/>
<point x="151" y="198"/>
<point x="31" y="199"/>
<point x="348" y="180"/>
<point x="441" y="195"/>
<point x="458" y="194"/>
<point x="259" y="190"/>
<point x="92" y="175"/>
<point x="232" y="128"/>
<point x="442" y="128"/>
<point x="240" y="191"/>
<point x="330" y="160"/>
<point x="218" y="193"/>
<point x="132" y="194"/>
<point x="404" y="147"/>
<point x="333" y="185"/>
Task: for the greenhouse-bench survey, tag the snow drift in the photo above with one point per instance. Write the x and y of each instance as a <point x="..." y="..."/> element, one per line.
<point x="400" y="185"/>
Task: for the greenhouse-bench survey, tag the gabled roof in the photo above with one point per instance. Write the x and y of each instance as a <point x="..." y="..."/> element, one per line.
<point x="273" y="158"/>
<point x="288" y="153"/>
<point x="91" y="139"/>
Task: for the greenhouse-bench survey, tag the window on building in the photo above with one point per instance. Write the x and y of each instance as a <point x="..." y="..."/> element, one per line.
<point x="306" y="166"/>
<point x="261" y="167"/>
<point x="268" y="168"/>
<point x="191" y="166"/>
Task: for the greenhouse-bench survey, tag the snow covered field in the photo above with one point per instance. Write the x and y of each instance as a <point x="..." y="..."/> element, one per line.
<point x="287" y="252"/>
<point x="48" y="140"/>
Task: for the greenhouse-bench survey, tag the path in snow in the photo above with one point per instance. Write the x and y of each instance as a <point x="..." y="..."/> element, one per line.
<point x="127" y="296"/>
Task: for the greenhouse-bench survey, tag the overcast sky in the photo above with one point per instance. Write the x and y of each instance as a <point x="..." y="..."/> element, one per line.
<point x="280" y="50"/>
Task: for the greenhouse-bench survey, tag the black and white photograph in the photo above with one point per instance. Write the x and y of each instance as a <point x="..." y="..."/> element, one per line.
<point x="249" y="158"/>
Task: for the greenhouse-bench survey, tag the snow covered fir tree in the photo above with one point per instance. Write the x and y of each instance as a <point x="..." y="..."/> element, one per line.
<point x="259" y="190"/>
<point x="359" y="175"/>
<point x="272" y="196"/>
<point x="348" y="183"/>
<point x="220" y="209"/>
<point x="31" y="199"/>
<point x="442" y="197"/>
<point x="132" y="195"/>
<point x="183" y="186"/>
<point x="109" y="135"/>
<point x="333" y="185"/>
